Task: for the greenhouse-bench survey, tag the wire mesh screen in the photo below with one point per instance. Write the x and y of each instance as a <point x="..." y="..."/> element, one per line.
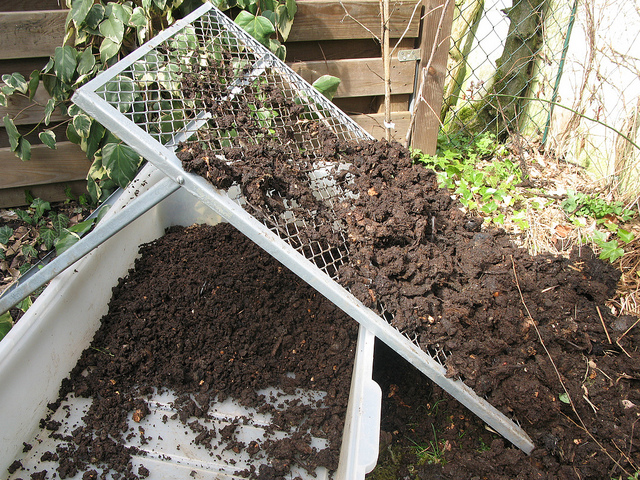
<point x="503" y="64"/>
<point x="205" y="88"/>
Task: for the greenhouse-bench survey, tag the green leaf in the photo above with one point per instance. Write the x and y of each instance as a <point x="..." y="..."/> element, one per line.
<point x="48" y="138"/>
<point x="34" y="83"/>
<point x="47" y="237"/>
<point x="24" y="149"/>
<point x="278" y="49"/>
<point x="611" y="251"/>
<point x="258" y="27"/>
<point x="160" y="4"/>
<point x="6" y="322"/>
<point x="65" y="63"/>
<point x="224" y="4"/>
<point x="121" y="162"/>
<point x="12" y="132"/>
<point x="267" y="5"/>
<point x="24" y="216"/>
<point x="73" y="135"/>
<point x="271" y="16"/>
<point x="564" y="398"/>
<point x="292" y="9"/>
<point x="138" y="18"/>
<point x="185" y="39"/>
<point x="16" y="81"/>
<point x="82" y="125"/>
<point x="122" y="13"/>
<point x="327" y="85"/>
<point x="284" y="23"/>
<point x="95" y="16"/>
<point x="54" y="87"/>
<point x="95" y="137"/>
<point x="108" y="49"/>
<point x="59" y="222"/>
<point x="120" y="91"/>
<point x="5" y="234"/>
<point x="40" y="206"/>
<point x="82" y="227"/>
<point x="87" y="62"/>
<point x="27" y="302"/>
<point x="169" y="78"/>
<point x="3" y="99"/>
<point x="625" y="235"/>
<point x="78" y="12"/>
<point x="28" y="251"/>
<point x="65" y="240"/>
<point x="113" y="29"/>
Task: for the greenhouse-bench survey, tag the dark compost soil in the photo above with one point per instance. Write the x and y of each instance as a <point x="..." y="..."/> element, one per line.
<point x="209" y="315"/>
<point x="530" y="334"/>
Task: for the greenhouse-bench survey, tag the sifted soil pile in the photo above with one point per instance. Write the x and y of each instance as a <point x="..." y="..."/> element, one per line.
<point x="531" y="334"/>
<point x="208" y="315"/>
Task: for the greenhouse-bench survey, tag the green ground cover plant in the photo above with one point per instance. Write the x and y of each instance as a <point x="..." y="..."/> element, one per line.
<point x="478" y="172"/>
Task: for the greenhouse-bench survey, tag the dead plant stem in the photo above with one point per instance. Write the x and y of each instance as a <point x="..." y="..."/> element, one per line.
<point x="603" y="325"/>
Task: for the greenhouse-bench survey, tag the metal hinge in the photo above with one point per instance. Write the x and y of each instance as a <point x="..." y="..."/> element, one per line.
<point x="409" y="55"/>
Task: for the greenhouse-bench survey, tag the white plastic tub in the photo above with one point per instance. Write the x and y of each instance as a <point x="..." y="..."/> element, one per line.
<point x="43" y="347"/>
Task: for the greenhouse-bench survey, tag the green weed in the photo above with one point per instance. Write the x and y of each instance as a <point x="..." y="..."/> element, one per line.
<point x="478" y="172"/>
<point x="431" y="452"/>
<point x="579" y="206"/>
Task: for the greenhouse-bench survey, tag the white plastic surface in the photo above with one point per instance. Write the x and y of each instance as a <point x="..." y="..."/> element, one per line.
<point x="43" y="347"/>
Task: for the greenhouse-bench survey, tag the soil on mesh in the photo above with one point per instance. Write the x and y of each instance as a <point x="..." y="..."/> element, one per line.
<point x="208" y="315"/>
<point x="531" y="334"/>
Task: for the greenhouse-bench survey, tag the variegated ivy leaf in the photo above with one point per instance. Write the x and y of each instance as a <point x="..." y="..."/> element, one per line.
<point x="48" y="138"/>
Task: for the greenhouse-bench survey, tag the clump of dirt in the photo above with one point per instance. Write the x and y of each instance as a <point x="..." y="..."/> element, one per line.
<point x="532" y="334"/>
<point x="208" y="315"/>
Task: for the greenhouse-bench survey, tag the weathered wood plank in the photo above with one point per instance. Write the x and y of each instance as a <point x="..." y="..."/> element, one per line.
<point x="432" y="70"/>
<point x="338" y="49"/>
<point x="349" y="19"/>
<point x="30" y="112"/>
<point x="22" y="65"/>
<point x="65" y="164"/>
<point x="23" y="5"/>
<point x="359" y="77"/>
<point x="53" y="192"/>
<point x="374" y="124"/>
<point x="31" y="34"/>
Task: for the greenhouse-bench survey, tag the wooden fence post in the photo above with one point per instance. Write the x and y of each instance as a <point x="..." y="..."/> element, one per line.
<point x="434" y="50"/>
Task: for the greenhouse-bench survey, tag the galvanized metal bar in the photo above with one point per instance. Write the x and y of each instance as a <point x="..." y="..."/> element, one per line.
<point x="103" y="231"/>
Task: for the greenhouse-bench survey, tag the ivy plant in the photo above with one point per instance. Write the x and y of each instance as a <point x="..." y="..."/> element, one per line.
<point x="98" y="34"/>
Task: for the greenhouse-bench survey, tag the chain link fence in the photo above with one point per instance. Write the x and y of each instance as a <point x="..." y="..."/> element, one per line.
<point x="565" y="75"/>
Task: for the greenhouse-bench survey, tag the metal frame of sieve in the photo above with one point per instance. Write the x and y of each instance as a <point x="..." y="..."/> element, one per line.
<point x="141" y="100"/>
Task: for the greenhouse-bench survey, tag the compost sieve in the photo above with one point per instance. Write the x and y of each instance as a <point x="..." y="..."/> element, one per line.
<point x="205" y="85"/>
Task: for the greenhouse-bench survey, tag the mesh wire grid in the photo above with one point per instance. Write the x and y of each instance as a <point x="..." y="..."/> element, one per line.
<point x="154" y="101"/>
<point x="482" y="30"/>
